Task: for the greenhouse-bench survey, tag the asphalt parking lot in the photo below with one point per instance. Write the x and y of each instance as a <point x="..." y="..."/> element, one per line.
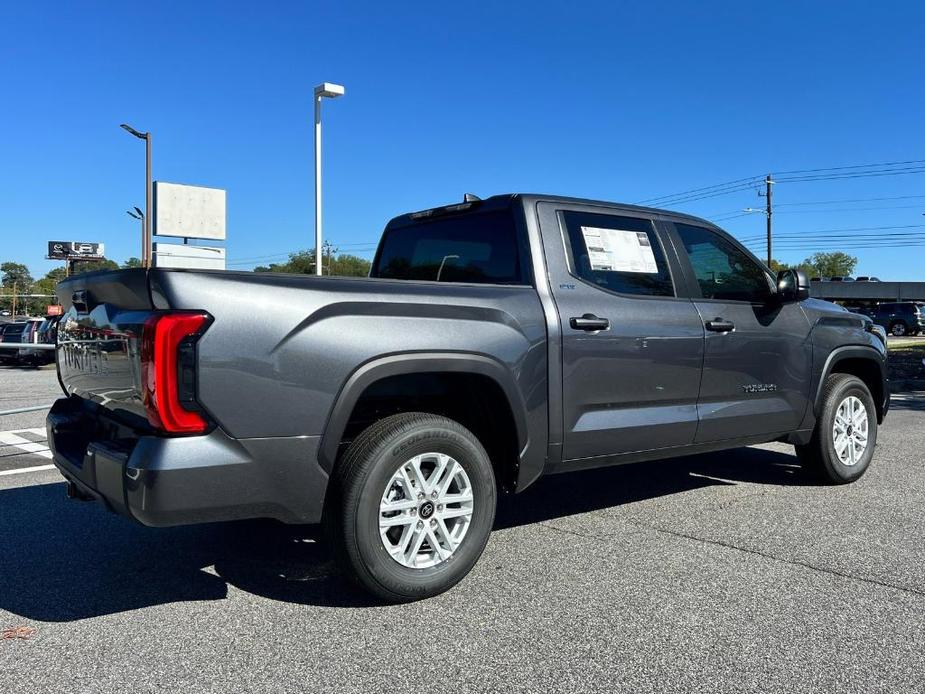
<point x="726" y="572"/>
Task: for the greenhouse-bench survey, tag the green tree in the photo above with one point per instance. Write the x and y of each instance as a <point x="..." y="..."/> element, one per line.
<point x="777" y="266"/>
<point x="303" y="263"/>
<point x="346" y="265"/>
<point x="16" y="276"/>
<point x="47" y="285"/>
<point x="132" y="262"/>
<point x="15" y="273"/>
<point x="83" y="266"/>
<point x="831" y="264"/>
<point x="808" y="269"/>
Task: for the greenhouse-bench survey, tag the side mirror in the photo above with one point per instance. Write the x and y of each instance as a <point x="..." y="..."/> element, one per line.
<point x="792" y="285"/>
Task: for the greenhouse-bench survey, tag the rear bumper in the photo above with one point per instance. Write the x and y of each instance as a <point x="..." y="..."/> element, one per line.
<point x="26" y="356"/>
<point x="10" y="356"/>
<point x="161" y="481"/>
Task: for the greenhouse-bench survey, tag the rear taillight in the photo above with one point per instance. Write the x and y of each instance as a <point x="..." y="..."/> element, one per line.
<point x="168" y="371"/>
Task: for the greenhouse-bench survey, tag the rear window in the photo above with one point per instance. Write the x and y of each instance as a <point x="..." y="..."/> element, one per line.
<point x="12" y="330"/>
<point x="479" y="247"/>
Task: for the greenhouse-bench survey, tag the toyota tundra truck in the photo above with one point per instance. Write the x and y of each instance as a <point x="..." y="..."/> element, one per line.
<point x="495" y="341"/>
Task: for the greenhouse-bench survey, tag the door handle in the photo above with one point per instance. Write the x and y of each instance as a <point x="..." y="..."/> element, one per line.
<point x="719" y="325"/>
<point x="589" y="322"/>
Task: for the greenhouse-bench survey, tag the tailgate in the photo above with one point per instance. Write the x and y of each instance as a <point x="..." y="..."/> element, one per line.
<point x="99" y="339"/>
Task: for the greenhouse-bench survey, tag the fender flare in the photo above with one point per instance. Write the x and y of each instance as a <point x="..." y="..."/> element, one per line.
<point x="850" y="352"/>
<point x="415" y="362"/>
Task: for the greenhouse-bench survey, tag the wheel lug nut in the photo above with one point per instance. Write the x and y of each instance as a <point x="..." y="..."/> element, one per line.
<point x="439" y="507"/>
<point x="420" y="525"/>
<point x="433" y="522"/>
<point x="414" y="512"/>
<point x="420" y="495"/>
<point x="433" y="495"/>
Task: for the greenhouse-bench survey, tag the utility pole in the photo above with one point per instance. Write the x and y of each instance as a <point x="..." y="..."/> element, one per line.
<point x="13" y="314"/>
<point x="768" y="183"/>
<point x="329" y="251"/>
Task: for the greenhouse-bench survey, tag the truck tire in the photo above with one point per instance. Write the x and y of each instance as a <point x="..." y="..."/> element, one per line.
<point x="843" y="442"/>
<point x="410" y="506"/>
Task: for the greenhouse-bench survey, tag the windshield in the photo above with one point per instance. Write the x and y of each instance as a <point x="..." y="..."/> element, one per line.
<point x="475" y="247"/>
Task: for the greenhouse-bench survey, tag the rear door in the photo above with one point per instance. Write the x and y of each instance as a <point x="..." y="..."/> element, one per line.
<point x="631" y="348"/>
<point x="758" y="355"/>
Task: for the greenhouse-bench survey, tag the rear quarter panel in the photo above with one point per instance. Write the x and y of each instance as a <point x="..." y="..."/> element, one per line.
<point x="282" y="346"/>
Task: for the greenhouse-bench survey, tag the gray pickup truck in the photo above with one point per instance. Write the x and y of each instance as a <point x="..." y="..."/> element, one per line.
<point x="495" y="341"/>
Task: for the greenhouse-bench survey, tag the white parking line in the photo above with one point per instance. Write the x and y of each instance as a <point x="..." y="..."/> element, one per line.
<point x="22" y="470"/>
<point x="12" y="438"/>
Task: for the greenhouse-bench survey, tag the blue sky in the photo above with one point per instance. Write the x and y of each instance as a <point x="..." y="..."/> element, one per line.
<point x="612" y="100"/>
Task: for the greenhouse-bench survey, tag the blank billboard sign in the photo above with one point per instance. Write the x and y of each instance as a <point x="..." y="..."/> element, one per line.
<point x="193" y="212"/>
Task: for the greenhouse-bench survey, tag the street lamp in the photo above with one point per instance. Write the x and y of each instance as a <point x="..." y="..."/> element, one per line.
<point x="146" y="218"/>
<point x="331" y="91"/>
<point x="138" y="214"/>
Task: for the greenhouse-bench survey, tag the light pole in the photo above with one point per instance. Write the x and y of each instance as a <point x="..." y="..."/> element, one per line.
<point x="146" y="221"/>
<point x="138" y="214"/>
<point x="332" y="91"/>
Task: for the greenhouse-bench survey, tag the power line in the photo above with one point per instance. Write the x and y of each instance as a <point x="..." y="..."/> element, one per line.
<point x="826" y="231"/>
<point x="285" y="254"/>
<point x="896" y="168"/>
<point x="839" y="246"/>
<point x="706" y="189"/>
<point x="853" y="166"/>
<point x="847" y="200"/>
<point x="865" y="240"/>
<point x="811" y="235"/>
<point x="865" y="174"/>
<point x="693" y="198"/>
<point x="843" y="240"/>
<point x="726" y="216"/>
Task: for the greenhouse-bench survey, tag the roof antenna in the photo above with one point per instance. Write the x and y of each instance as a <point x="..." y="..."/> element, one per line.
<point x="471" y="197"/>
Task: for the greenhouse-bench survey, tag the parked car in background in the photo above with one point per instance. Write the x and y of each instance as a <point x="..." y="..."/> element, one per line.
<point x="815" y="279"/>
<point x="899" y="318"/>
<point x="48" y="330"/>
<point x="45" y="333"/>
<point x="26" y="331"/>
<point x="865" y="278"/>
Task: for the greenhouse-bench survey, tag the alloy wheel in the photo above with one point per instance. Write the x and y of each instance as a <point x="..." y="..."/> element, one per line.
<point x="850" y="430"/>
<point x="425" y="510"/>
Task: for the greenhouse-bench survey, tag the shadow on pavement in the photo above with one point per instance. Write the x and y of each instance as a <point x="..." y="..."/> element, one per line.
<point x="66" y="560"/>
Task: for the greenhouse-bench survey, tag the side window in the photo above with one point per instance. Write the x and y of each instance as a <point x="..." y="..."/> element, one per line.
<point x="723" y="270"/>
<point x="619" y="254"/>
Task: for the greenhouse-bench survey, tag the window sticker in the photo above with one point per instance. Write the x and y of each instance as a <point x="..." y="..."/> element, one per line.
<point x="615" y="250"/>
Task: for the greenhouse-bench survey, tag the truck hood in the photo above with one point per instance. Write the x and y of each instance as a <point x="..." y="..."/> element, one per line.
<point x="820" y="306"/>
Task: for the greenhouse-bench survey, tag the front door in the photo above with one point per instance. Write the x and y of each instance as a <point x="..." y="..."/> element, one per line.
<point x="758" y="355"/>
<point x="631" y="349"/>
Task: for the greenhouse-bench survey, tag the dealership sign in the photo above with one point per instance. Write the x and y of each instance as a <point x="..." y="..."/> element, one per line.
<point x="68" y="250"/>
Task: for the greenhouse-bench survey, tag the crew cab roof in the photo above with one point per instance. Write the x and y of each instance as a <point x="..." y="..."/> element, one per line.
<point x="504" y="200"/>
